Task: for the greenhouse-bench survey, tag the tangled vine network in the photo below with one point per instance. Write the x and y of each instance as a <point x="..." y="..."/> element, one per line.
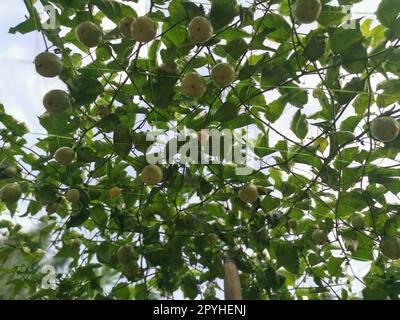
<point x="307" y="93"/>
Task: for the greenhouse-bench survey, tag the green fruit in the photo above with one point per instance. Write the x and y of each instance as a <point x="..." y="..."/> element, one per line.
<point x="223" y="74"/>
<point x="125" y="254"/>
<point x="103" y="111"/>
<point x="76" y="243"/>
<point x="64" y="155"/>
<point x="73" y="195"/>
<point x="319" y="237"/>
<point x="212" y="239"/>
<point x="10" y="171"/>
<point x="143" y="29"/>
<point x="105" y="253"/>
<point x="249" y="193"/>
<point x="152" y="174"/>
<point x="128" y="223"/>
<point x="318" y="92"/>
<point x="11" y="192"/>
<point x="390" y="247"/>
<point x="56" y="101"/>
<point x="52" y="207"/>
<point x="114" y="192"/>
<point x="385" y="129"/>
<point x="293" y="224"/>
<point x="200" y="30"/>
<point x="193" y="85"/>
<point x="169" y="68"/>
<point x="89" y="34"/>
<point x="125" y="26"/>
<point x="48" y="65"/>
<point x="358" y="221"/>
<point x="350" y="238"/>
<point x="306" y="11"/>
<point x="130" y="269"/>
<point x="185" y="222"/>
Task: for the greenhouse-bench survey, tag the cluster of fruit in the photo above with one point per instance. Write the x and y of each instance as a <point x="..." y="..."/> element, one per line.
<point x="126" y="257"/>
<point x="141" y="29"/>
<point x="150" y="175"/>
<point x="48" y="64"/>
<point x="192" y="85"/>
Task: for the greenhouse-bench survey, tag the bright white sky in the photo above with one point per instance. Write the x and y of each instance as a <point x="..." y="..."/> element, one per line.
<point x="21" y="89"/>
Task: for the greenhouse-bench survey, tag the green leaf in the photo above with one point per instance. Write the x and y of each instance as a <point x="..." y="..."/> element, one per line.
<point x="46" y="193"/>
<point x="227" y="111"/>
<point x="189" y="286"/>
<point x="350" y="91"/>
<point x="84" y="89"/>
<point x="388" y="12"/>
<point x="223" y="12"/>
<point x="315" y="48"/>
<point x="78" y="218"/>
<point x="184" y="10"/>
<point x="342" y="39"/>
<point x="355" y="59"/>
<point x="299" y="125"/>
<point x="114" y="10"/>
<point x="351" y="202"/>
<point x="288" y="257"/>
<point x="262" y="148"/>
<point x="335" y="266"/>
<point x="275" y="109"/>
<point x="122" y="141"/>
<point x="374" y="293"/>
<point x="350" y="123"/>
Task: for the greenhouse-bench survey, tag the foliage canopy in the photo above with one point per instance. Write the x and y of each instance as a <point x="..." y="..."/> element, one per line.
<point x="319" y="168"/>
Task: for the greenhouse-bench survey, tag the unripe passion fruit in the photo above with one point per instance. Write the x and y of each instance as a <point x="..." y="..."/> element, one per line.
<point x="48" y="65"/>
<point x="130" y="269"/>
<point x="114" y="192"/>
<point x="89" y="34"/>
<point x="73" y="195"/>
<point x="385" y="129"/>
<point x="152" y="174"/>
<point x="306" y="11"/>
<point x="10" y="171"/>
<point x="358" y="221"/>
<point x="143" y="29"/>
<point x="248" y="193"/>
<point x="293" y="224"/>
<point x="223" y="74"/>
<point x="193" y="85"/>
<point x="76" y="243"/>
<point x="11" y="192"/>
<point x="56" y="101"/>
<point x="319" y="237"/>
<point x="200" y="30"/>
<point x="390" y="247"/>
<point x="125" y="26"/>
<point x="125" y="254"/>
<point x="64" y="155"/>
